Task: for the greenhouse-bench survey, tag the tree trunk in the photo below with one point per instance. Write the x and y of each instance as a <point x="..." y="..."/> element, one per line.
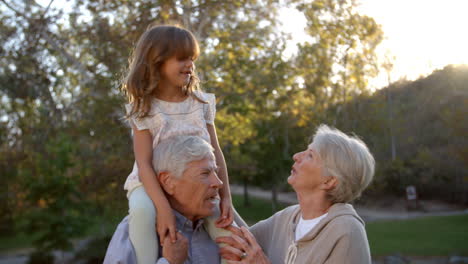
<point x="274" y="197"/>
<point x="390" y="129"/>
<point x="246" y="193"/>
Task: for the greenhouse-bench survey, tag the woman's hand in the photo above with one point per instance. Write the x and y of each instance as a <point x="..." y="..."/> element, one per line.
<point x="242" y="248"/>
<point x="165" y="224"/>
<point x="227" y="213"/>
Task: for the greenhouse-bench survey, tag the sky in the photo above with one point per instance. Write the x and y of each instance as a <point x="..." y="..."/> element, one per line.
<point x="421" y="35"/>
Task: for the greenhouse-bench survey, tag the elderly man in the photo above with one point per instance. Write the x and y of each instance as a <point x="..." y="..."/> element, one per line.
<point x="186" y="169"/>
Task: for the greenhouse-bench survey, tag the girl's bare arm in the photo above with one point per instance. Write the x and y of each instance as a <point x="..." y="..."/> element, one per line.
<point x="225" y="192"/>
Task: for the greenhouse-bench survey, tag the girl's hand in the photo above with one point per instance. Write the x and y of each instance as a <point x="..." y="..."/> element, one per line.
<point x="175" y="252"/>
<point x="227" y="213"/>
<point x="165" y="225"/>
<point x="242" y="248"/>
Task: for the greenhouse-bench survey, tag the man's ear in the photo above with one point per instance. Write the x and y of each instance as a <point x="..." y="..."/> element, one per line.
<point x="329" y="183"/>
<point x="166" y="180"/>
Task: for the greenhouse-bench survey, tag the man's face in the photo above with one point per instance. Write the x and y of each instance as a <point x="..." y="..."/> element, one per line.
<point x="195" y="193"/>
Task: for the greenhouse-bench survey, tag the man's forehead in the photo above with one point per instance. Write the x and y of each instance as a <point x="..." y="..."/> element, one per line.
<point x="206" y="163"/>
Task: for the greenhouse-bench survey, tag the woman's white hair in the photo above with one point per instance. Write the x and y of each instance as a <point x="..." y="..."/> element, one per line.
<point x="346" y="158"/>
<point x="173" y="154"/>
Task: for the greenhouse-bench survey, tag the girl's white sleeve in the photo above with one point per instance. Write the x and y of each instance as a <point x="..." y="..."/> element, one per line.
<point x="210" y="110"/>
<point x="140" y="123"/>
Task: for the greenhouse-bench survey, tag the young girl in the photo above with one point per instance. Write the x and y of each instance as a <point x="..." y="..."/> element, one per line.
<point x="164" y="100"/>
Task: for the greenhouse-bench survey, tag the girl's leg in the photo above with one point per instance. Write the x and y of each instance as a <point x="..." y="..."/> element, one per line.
<point x="216" y="232"/>
<point x="142" y="226"/>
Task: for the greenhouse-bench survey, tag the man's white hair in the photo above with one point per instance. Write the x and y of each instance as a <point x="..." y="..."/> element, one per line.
<point x="173" y="154"/>
<point x="348" y="159"/>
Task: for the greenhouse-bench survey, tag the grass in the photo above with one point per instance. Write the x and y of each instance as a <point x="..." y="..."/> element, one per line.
<point x="429" y="236"/>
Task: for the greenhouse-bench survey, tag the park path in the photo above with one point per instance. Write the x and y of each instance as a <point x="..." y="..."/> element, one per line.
<point x="366" y="212"/>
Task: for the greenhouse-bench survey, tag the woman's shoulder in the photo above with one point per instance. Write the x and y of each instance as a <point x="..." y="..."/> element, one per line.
<point x="344" y="219"/>
<point x="287" y="214"/>
<point x="344" y="211"/>
<point x="289" y="211"/>
<point x="346" y="222"/>
<point x="278" y="222"/>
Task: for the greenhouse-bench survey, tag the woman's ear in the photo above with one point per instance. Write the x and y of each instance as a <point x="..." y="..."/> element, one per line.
<point x="329" y="183"/>
<point x="166" y="180"/>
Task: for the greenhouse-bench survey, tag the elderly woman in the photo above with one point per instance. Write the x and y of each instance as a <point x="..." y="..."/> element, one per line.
<point x="324" y="227"/>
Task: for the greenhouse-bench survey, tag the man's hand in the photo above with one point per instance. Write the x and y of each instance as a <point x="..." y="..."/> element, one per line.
<point x="175" y="253"/>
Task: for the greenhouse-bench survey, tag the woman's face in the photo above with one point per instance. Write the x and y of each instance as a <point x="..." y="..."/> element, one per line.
<point x="307" y="171"/>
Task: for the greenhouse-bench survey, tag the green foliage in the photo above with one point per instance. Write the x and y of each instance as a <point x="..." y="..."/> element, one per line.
<point x="9" y="242"/>
<point x="427" y="126"/>
<point x="54" y="207"/>
<point x="398" y="174"/>
<point x="336" y="65"/>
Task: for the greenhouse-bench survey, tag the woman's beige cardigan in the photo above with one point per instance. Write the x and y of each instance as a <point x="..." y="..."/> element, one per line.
<point x="339" y="238"/>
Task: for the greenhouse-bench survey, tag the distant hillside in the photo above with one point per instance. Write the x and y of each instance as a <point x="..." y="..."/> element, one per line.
<point x="428" y="120"/>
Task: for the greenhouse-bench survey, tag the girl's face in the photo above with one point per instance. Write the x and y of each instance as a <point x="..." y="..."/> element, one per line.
<point x="176" y="72"/>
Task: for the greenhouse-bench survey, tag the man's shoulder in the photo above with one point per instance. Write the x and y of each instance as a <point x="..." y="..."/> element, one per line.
<point x="120" y="249"/>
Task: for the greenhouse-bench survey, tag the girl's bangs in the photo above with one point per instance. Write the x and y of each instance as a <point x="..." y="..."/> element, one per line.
<point x="185" y="46"/>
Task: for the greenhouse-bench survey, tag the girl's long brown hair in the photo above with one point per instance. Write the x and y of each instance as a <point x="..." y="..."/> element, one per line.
<point x="155" y="46"/>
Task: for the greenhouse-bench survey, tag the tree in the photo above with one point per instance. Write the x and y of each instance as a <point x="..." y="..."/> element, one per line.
<point x="428" y="123"/>
<point x="54" y="209"/>
<point x="61" y="70"/>
<point x="388" y="66"/>
<point x="335" y="67"/>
